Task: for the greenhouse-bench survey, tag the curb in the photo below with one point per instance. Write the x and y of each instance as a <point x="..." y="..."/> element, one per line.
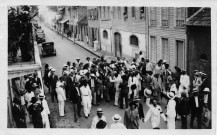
<point x="77" y="44"/>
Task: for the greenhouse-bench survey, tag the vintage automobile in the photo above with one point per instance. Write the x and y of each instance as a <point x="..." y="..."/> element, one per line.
<point x="40" y="37"/>
<point x="48" y="49"/>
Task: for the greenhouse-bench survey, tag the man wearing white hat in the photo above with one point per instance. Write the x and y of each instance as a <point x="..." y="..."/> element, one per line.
<point x="97" y="118"/>
<point x="117" y="125"/>
<point x="171" y="111"/>
<point x="46" y="112"/>
<point x="77" y="62"/>
<point x="197" y="82"/>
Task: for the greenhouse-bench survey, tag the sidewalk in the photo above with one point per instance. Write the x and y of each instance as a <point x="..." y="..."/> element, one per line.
<point x="87" y="47"/>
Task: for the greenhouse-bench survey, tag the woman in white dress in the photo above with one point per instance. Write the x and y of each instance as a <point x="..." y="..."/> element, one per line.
<point x="61" y="97"/>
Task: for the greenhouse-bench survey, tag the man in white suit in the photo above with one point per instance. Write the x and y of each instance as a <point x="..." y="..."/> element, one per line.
<point x="86" y="98"/>
<point x="46" y="112"/>
<point x="61" y="97"/>
<point x="184" y="84"/>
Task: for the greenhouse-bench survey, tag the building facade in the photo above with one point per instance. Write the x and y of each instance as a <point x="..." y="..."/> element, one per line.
<point x="123" y="31"/>
<point x="167" y="37"/>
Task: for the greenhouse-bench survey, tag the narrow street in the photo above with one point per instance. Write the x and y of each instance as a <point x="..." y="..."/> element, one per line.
<point x="67" y="51"/>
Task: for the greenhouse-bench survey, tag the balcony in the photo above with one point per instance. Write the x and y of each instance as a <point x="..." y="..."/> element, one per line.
<point x="179" y="23"/>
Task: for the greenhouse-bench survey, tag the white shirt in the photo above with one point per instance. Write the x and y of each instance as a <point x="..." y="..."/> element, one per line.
<point x="85" y="91"/>
<point x="96" y="119"/>
<point x="148" y="66"/>
<point x="117" y="126"/>
<point x="171" y="108"/>
<point x="28" y="96"/>
<point x="185" y="80"/>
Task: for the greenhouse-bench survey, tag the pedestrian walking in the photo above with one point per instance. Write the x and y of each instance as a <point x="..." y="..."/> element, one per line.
<point x="46" y="79"/>
<point x="86" y="98"/>
<point x="92" y="83"/>
<point x="61" y="97"/>
<point x="139" y="107"/>
<point x="154" y="114"/>
<point x="184" y="83"/>
<point x="97" y="118"/>
<point x="46" y="112"/>
<point x="124" y="90"/>
<point x="171" y="111"/>
<point x="184" y="108"/>
<point x="117" y="122"/>
<point x="53" y="81"/>
<point x="147" y="94"/>
<point x="196" y="108"/>
<point x="35" y="110"/>
<point x="131" y="117"/>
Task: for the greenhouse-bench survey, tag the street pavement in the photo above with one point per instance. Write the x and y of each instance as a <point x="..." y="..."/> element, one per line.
<point x="68" y="51"/>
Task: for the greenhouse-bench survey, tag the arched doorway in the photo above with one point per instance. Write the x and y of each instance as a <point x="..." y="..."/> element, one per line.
<point x="118" y="46"/>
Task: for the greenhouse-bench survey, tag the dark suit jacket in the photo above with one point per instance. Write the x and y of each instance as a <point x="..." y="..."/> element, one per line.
<point x="70" y="87"/>
<point x="18" y="115"/>
<point x="37" y="81"/>
<point x="184" y="106"/>
<point x="193" y="105"/>
<point x="52" y="82"/>
<point x="141" y="112"/>
<point x="131" y="124"/>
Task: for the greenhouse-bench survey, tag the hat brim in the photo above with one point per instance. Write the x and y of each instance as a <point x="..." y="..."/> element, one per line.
<point x="113" y="118"/>
<point x="146" y="94"/>
<point x="168" y="95"/>
<point x="99" y="111"/>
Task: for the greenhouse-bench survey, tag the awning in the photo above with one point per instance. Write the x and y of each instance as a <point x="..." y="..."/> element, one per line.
<point x="83" y="22"/>
<point x="201" y="18"/>
<point x="64" y="20"/>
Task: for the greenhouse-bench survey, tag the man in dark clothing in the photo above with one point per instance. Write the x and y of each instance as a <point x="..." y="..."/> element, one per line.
<point x="196" y="108"/>
<point x="35" y="110"/>
<point x="36" y="80"/>
<point x="18" y="114"/>
<point x="46" y="80"/>
<point x="124" y="91"/>
<point x="73" y="94"/>
<point x="140" y="108"/>
<point x="184" y="109"/>
<point x="52" y="81"/>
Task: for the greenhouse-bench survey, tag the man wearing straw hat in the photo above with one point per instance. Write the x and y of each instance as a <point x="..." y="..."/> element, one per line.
<point x="46" y="112"/>
<point x="147" y="94"/>
<point x="97" y="118"/>
<point x="171" y="111"/>
<point x="117" y="125"/>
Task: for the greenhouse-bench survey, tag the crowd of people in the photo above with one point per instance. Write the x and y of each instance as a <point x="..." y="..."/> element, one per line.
<point x="127" y="85"/>
<point x="30" y="105"/>
<point x="88" y="83"/>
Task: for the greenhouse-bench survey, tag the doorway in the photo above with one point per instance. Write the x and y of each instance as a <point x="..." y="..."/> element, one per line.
<point x="180" y="54"/>
<point x="118" y="47"/>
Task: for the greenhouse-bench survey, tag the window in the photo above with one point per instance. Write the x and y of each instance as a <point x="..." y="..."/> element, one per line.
<point x="125" y="13"/>
<point x="134" y="40"/>
<point x="108" y="12"/>
<point x="104" y="12"/>
<point x="203" y="57"/>
<point x="165" y="49"/>
<point x="180" y="16"/>
<point x="95" y="14"/>
<point x="164" y="16"/>
<point x="99" y="10"/>
<point x="133" y="11"/>
<point x="89" y="14"/>
<point x="105" y="34"/>
<point x="153" y="16"/>
<point x="180" y="54"/>
<point x="142" y="12"/>
<point x="119" y="12"/>
<point x="153" y="49"/>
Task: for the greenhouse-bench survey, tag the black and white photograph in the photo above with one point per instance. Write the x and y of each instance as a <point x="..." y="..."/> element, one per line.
<point x="109" y="67"/>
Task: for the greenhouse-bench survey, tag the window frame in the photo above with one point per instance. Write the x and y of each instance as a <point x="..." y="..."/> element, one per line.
<point x="180" y="19"/>
<point x="105" y="32"/>
<point x="131" y="36"/>
<point x="155" y="18"/>
<point x="133" y="12"/>
<point x="165" y="16"/>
